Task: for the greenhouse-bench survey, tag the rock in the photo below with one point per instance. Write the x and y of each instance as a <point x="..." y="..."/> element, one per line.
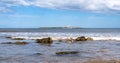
<point x="60" y="40"/>
<point x="38" y="54"/>
<point x="67" y="52"/>
<point x="90" y="39"/>
<point x="8" y="37"/>
<point x="7" y="43"/>
<point x="20" y="43"/>
<point x="45" y="40"/>
<point x="82" y="38"/>
<point x="18" y="38"/>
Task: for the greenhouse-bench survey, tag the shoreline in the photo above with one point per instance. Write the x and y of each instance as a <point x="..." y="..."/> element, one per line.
<point x="24" y="46"/>
<point x="63" y="38"/>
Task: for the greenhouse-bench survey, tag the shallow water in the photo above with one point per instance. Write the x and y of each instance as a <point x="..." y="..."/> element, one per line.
<point x="42" y="53"/>
<point x="11" y="53"/>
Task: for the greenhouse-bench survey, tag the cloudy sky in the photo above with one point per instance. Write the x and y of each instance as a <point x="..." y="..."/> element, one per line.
<point x="57" y="13"/>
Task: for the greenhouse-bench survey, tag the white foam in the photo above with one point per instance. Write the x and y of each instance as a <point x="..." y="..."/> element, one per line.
<point x="54" y="38"/>
<point x="106" y="38"/>
<point x="57" y="36"/>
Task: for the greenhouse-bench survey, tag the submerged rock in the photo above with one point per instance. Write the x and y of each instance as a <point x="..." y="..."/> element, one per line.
<point x="8" y="37"/>
<point x="82" y="38"/>
<point x="7" y="43"/>
<point x="18" y="43"/>
<point x="38" y="54"/>
<point x="21" y="43"/>
<point x="67" y="52"/>
<point x="18" y="38"/>
<point x="45" y="40"/>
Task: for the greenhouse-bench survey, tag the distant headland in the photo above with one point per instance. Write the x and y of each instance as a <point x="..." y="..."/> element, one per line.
<point x="66" y="27"/>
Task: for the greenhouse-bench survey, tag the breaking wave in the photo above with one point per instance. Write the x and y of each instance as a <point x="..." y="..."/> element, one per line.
<point x="62" y="35"/>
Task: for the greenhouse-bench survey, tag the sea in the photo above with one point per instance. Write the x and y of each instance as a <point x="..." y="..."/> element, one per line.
<point x="105" y="45"/>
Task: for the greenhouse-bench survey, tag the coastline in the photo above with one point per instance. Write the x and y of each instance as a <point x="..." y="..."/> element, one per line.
<point x="22" y="46"/>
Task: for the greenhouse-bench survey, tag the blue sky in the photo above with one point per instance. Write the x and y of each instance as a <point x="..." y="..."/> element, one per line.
<point x="59" y="13"/>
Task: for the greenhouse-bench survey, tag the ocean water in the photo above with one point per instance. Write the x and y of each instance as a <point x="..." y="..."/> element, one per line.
<point x="96" y="34"/>
<point x="106" y="45"/>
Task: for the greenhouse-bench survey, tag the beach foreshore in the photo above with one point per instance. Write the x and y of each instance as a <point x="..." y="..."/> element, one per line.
<point x="60" y="47"/>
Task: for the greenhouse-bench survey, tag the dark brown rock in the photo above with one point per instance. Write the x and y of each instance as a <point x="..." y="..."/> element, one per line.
<point x="82" y="38"/>
<point x="8" y="37"/>
<point x="67" y="52"/>
<point x="17" y="43"/>
<point x="18" y="38"/>
<point x="38" y="54"/>
<point x="7" y="43"/>
<point x="20" y="43"/>
<point x="45" y="40"/>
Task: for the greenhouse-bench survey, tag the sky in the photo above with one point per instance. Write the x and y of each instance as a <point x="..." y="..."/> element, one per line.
<point x="59" y="13"/>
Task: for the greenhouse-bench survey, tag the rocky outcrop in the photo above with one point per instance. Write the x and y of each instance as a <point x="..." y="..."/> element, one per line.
<point x="45" y="40"/>
<point x="67" y="52"/>
<point x="82" y="38"/>
<point x="17" y="43"/>
<point x="71" y="40"/>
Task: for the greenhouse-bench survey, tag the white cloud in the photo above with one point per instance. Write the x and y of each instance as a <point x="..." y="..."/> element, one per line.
<point x="4" y="9"/>
<point x="6" y="4"/>
<point x="9" y="3"/>
<point x="88" y="5"/>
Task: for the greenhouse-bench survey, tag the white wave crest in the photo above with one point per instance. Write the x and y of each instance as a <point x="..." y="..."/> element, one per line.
<point x="56" y="36"/>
